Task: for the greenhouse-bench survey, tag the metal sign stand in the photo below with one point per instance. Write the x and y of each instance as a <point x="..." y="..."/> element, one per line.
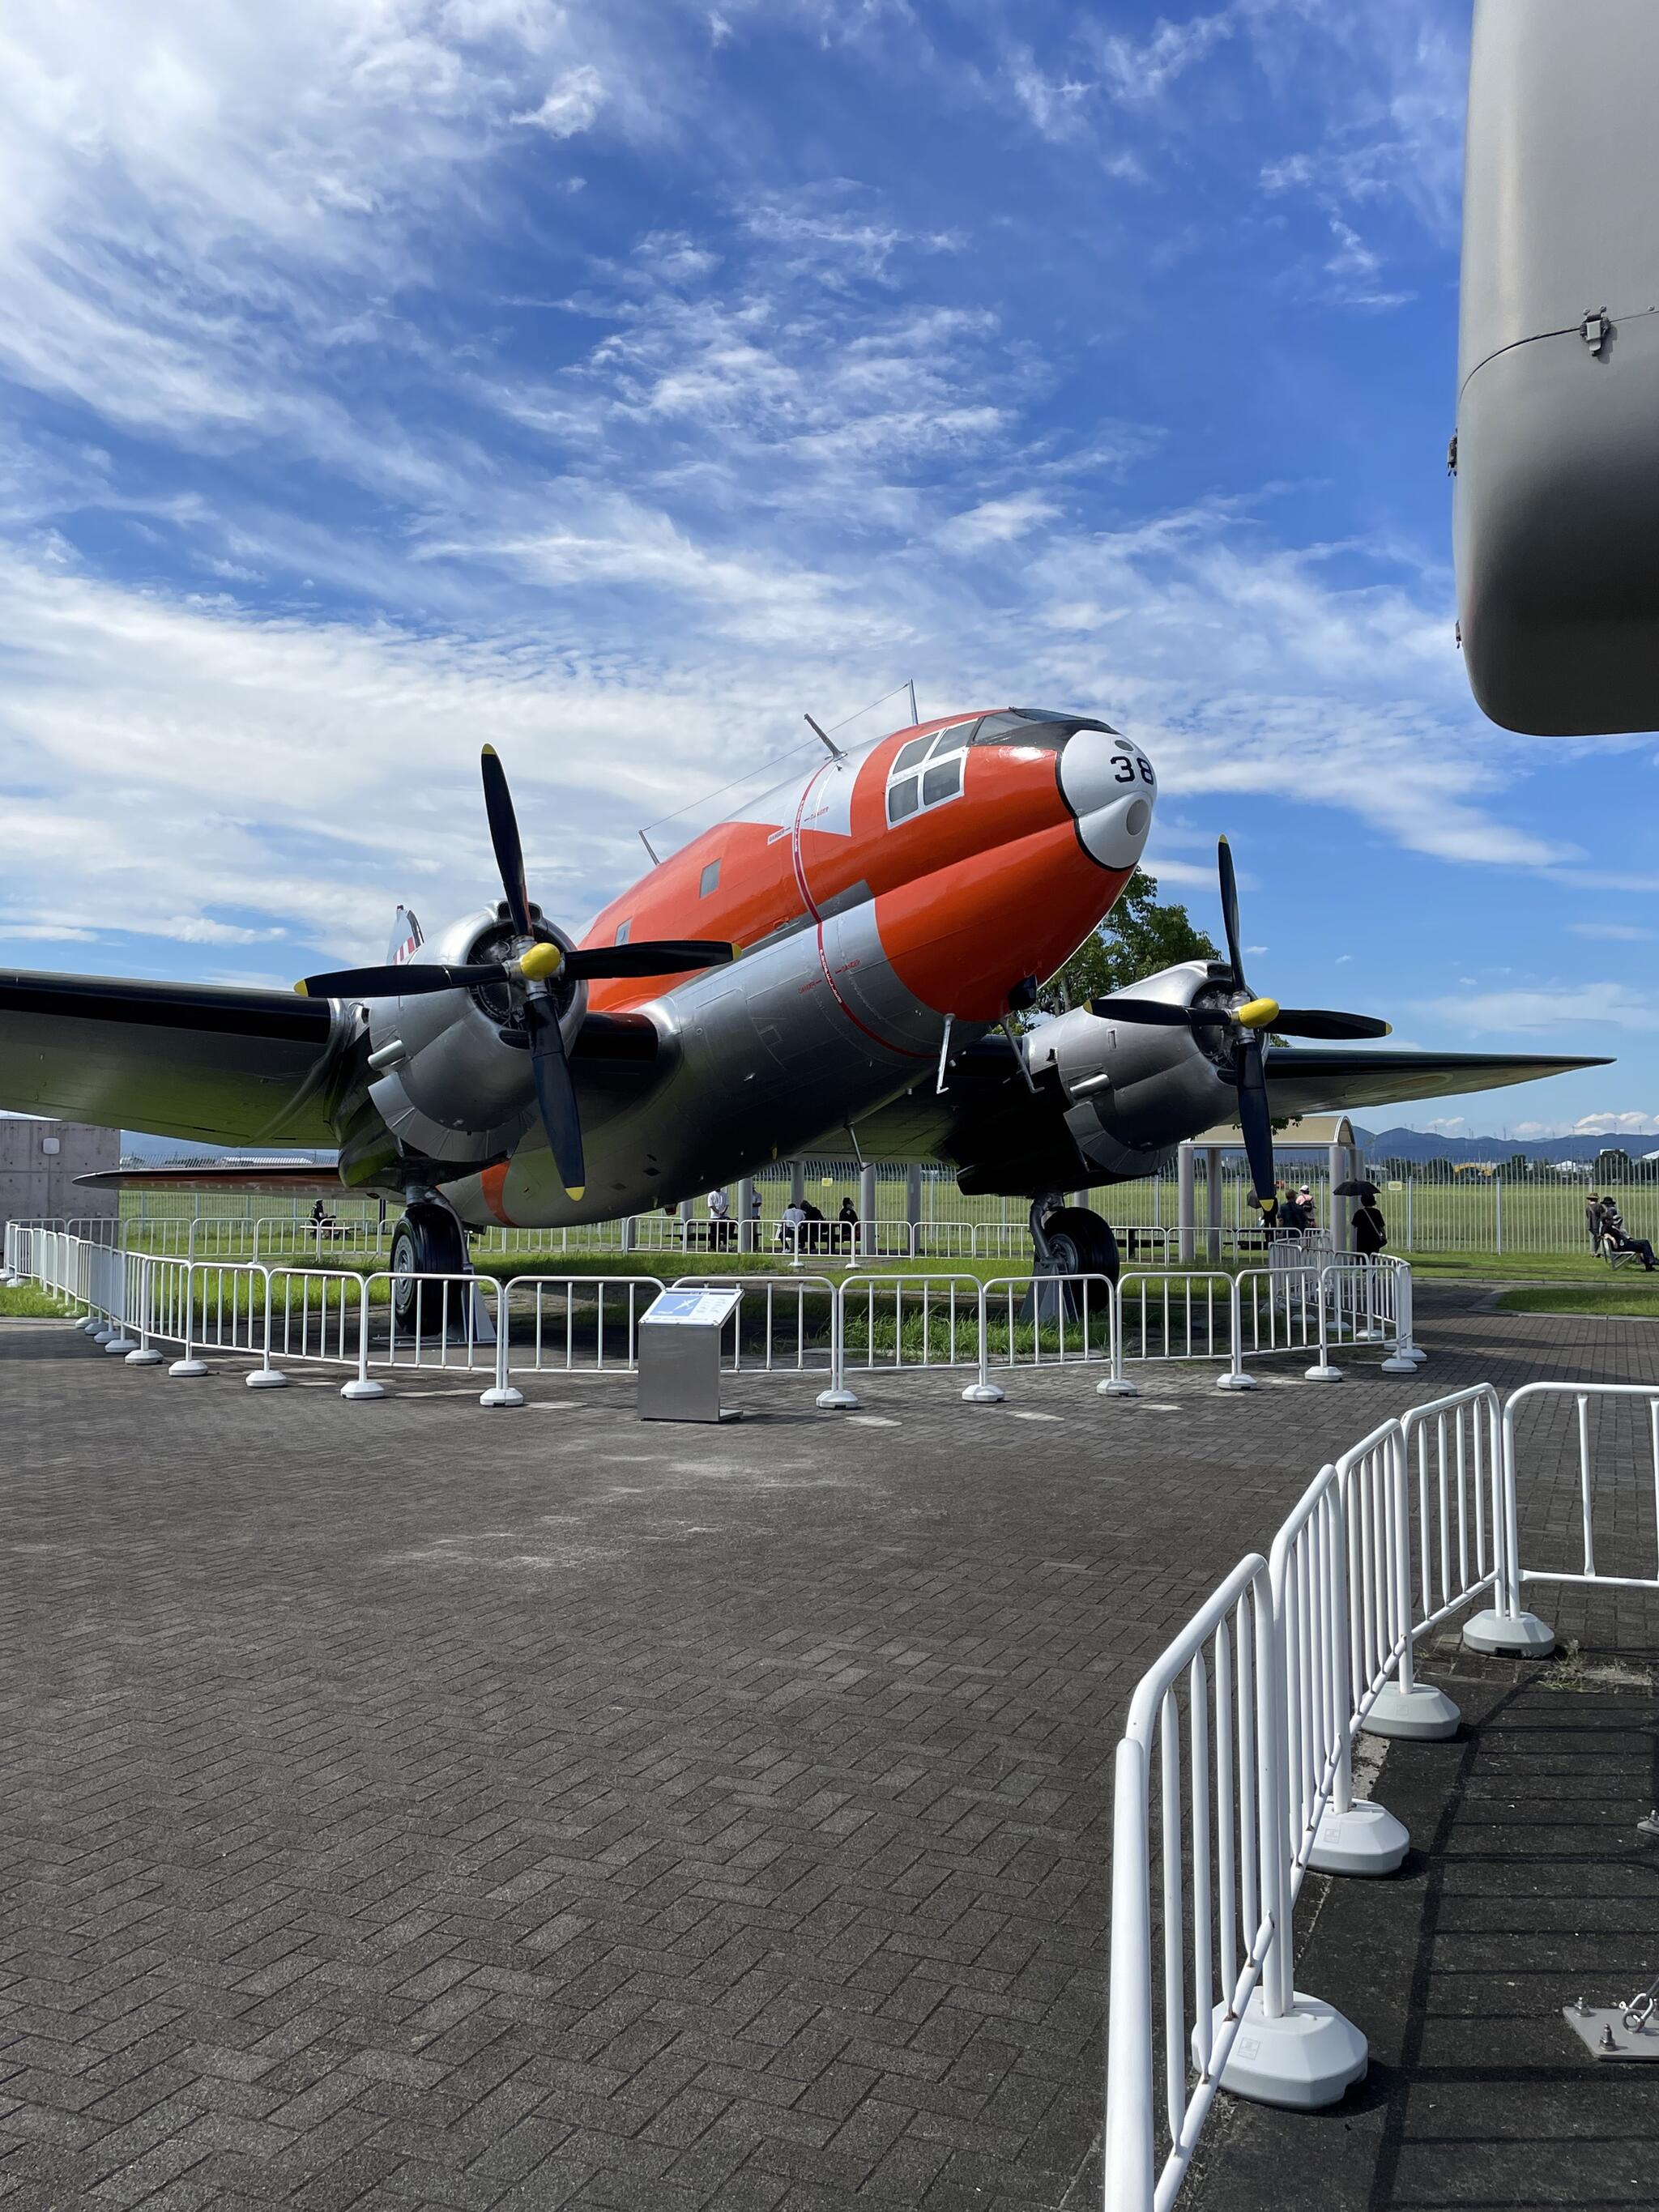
<point x="679" y="1355"/>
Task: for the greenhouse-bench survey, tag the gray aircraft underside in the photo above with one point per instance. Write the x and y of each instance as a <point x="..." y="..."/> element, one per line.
<point x="685" y="1093"/>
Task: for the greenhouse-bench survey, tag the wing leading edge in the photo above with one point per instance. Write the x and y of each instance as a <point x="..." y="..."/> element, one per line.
<point x="226" y="1065"/>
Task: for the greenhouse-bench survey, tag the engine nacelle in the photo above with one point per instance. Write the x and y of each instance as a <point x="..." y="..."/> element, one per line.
<point x="451" y="1069"/>
<point x="1127" y="1084"/>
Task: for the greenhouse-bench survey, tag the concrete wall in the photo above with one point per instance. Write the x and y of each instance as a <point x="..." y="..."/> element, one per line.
<point x="39" y="1184"/>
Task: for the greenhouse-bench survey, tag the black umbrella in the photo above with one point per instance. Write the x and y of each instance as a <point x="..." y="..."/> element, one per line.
<point x="1357" y="1186"/>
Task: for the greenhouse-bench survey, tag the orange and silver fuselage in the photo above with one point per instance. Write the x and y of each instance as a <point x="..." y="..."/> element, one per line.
<point x="922" y="878"/>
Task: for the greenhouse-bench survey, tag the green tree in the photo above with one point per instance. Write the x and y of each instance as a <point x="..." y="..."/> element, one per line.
<point x="1514" y="1167"/>
<point x="1141" y="935"/>
<point x="1613" y="1166"/>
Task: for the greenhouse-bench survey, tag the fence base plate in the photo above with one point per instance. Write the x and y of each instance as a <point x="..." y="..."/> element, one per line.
<point x="362" y="1385"/>
<point x="266" y="1378"/>
<point x="1423" y="1713"/>
<point x="143" y="1356"/>
<point x="1322" y="1372"/>
<point x="1526" y="1637"/>
<point x="1397" y="1363"/>
<point x="122" y="1345"/>
<point x="1113" y="1387"/>
<point x="844" y="1401"/>
<point x="188" y="1369"/>
<point x="1606" y="2036"/>
<point x="1303" y="2061"/>
<point x="1366" y="1839"/>
<point x="1235" y="1383"/>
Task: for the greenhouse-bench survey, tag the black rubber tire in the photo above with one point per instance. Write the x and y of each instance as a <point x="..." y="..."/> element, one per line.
<point x="428" y="1241"/>
<point x="1081" y="1244"/>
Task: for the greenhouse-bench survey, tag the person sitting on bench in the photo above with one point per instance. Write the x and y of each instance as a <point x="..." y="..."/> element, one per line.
<point x="1615" y="1239"/>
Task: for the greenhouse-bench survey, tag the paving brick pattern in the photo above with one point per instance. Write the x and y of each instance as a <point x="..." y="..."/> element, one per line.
<point x="405" y="1805"/>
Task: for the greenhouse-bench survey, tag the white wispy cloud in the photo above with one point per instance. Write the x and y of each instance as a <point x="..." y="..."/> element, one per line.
<point x="1556" y="1007"/>
<point x="571" y="106"/>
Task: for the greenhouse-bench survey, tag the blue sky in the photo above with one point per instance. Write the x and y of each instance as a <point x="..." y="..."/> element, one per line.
<point x="616" y="383"/>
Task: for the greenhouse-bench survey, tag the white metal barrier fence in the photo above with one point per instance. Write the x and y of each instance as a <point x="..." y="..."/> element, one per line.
<point x="789" y="1322"/>
<point x="1417" y="1522"/>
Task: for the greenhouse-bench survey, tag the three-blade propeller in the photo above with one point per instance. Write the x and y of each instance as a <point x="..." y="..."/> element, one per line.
<point x="1249" y="1023"/>
<point x="530" y="972"/>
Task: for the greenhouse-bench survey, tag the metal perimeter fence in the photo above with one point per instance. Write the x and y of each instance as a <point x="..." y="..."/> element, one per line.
<point x="1235" y="1773"/>
<point x="1429" y="1207"/>
<point x="280" y="1313"/>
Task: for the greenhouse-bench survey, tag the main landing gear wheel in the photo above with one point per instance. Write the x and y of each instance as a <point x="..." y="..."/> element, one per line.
<point x="1081" y="1244"/>
<point x="429" y="1240"/>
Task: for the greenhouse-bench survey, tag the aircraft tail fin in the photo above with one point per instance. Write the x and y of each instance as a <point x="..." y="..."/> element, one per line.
<point x="405" y="938"/>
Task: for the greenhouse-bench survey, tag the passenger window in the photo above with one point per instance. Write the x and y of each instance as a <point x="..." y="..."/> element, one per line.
<point x="943" y="780"/>
<point x="902" y="799"/>
<point x="622" y="928"/>
<point x="711" y="875"/>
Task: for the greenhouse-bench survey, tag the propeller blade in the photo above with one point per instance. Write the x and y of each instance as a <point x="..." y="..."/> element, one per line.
<point x="400" y="982"/>
<point x="504" y="836"/>
<point x="662" y="956"/>
<point x="1155" y="1015"/>
<point x="556" y="1094"/>
<point x="1312" y="1022"/>
<point x="1255" y="1119"/>
<point x="1229" y="911"/>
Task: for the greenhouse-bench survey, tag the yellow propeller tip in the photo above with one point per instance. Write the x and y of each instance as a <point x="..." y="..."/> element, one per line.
<point x="490" y="752"/>
<point x="574" y="1196"/>
<point x="302" y="991"/>
<point x="1387" y="1029"/>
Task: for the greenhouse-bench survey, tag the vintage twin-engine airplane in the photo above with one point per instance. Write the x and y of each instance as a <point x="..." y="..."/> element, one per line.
<point x="844" y="956"/>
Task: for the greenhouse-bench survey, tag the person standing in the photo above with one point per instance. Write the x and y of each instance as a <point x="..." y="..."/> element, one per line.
<point x="720" y="1220"/>
<point x="846" y="1232"/>
<point x="1370" y="1231"/>
<point x="1593" y="1221"/>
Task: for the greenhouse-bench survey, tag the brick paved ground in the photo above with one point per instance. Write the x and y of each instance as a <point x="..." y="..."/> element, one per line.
<point x="1532" y="1888"/>
<point x="408" y="1805"/>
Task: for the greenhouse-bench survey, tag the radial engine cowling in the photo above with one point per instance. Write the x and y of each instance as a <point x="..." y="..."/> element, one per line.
<point x="1128" y="1087"/>
<point x="450" y="1070"/>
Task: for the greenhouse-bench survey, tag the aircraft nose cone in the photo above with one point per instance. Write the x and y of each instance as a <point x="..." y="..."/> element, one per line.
<point x="1108" y="784"/>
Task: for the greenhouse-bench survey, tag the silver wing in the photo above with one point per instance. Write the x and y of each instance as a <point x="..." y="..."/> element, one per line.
<point x="1336" y="1078"/>
<point x="178" y="1060"/>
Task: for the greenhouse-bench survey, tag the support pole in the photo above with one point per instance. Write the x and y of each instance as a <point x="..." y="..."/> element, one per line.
<point x="745" y="1214"/>
<point x="913" y="1198"/>
<point x="1185" y="1214"/>
<point x="1212" y="1204"/>
<point x="867" y="1210"/>
<point x="1341" y="1234"/>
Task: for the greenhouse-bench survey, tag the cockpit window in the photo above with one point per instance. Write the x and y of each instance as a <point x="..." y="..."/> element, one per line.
<point x="1034" y="726"/>
<point x="622" y="928"/>
<point x="912" y="788"/>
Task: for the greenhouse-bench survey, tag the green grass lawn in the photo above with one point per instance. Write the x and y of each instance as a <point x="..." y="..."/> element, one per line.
<point x="22" y="1302"/>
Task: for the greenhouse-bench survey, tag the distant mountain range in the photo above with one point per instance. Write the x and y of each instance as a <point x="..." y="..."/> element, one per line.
<point x="1375" y="1144"/>
<point x="1430" y="1145"/>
